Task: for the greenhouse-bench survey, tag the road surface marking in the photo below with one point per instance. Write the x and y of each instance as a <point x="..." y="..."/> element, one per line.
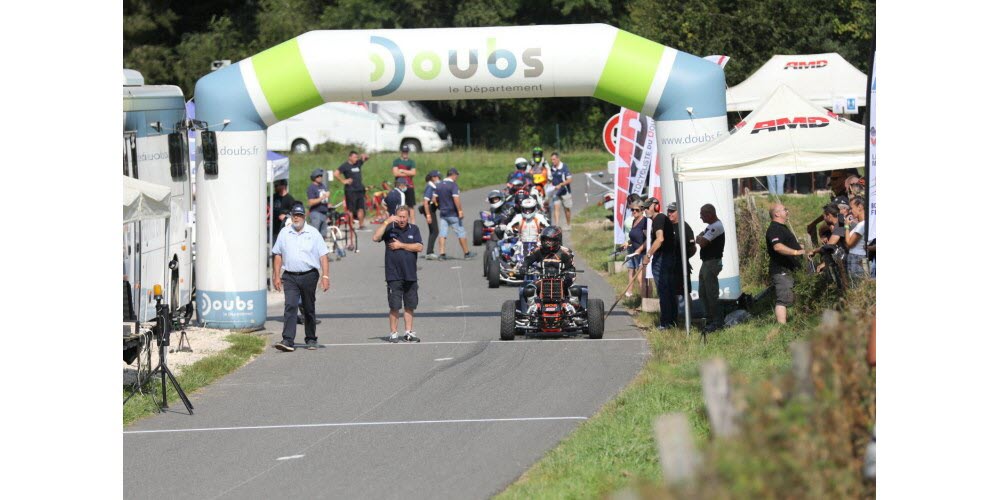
<point x="362" y="424"/>
<point x="457" y="267"/>
<point x="443" y="359"/>
<point x="291" y="457"/>
<point x="462" y="307"/>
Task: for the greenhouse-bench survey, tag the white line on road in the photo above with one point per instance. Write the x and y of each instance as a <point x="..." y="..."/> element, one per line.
<point x="443" y="359"/>
<point x="462" y="307"/>
<point x="551" y="341"/>
<point x="457" y="267"/>
<point x="290" y="458"/>
<point x="361" y="424"/>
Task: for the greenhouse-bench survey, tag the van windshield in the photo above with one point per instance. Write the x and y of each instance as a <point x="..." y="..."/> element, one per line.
<point x="414" y="111"/>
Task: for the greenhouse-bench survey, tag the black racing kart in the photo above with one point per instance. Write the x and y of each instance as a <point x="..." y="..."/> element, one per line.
<point x="546" y="306"/>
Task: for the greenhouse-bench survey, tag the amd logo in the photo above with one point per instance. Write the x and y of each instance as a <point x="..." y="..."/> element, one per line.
<point x="797" y="122"/>
<point x="806" y="64"/>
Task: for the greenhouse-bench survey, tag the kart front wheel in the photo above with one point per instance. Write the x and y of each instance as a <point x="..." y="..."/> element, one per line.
<point x="493" y="273"/>
<point x="477" y="233"/>
<point x="508" y="320"/>
<point x="595" y="318"/>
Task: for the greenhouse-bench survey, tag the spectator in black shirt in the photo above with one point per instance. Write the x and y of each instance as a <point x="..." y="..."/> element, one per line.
<point x="712" y="241"/>
<point x="402" y="245"/>
<point x="679" y="274"/>
<point x="349" y="174"/>
<point x="783" y="249"/>
<point x="281" y="207"/>
<point x="662" y="253"/>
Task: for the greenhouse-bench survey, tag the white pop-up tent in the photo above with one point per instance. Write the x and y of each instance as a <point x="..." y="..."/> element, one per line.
<point x="143" y="200"/>
<point x="821" y="78"/>
<point x="787" y="134"/>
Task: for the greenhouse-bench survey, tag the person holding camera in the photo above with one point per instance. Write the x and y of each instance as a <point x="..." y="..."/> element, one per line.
<point x="402" y="245"/>
<point x="318" y="195"/>
<point x="300" y="255"/>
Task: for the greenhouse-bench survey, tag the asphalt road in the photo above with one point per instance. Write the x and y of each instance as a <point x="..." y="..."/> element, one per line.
<point x="460" y="415"/>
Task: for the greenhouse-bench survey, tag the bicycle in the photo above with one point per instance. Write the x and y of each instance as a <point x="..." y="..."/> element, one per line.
<point x="342" y="230"/>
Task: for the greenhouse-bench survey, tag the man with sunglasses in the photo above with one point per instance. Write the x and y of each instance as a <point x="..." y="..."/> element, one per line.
<point x="300" y="253"/>
<point x="662" y="254"/>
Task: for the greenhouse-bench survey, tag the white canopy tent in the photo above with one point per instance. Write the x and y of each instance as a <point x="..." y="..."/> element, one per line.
<point x="787" y="134"/>
<point x="820" y="78"/>
<point x="143" y="200"/>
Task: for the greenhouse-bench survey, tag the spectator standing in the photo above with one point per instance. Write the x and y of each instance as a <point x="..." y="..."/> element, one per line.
<point x="402" y="245"/>
<point x="782" y="247"/>
<point x="712" y="242"/>
<point x="405" y="167"/>
<point x="674" y="217"/>
<point x="281" y="207"/>
<point x="856" y="253"/>
<point x="349" y="174"/>
<point x="430" y="209"/>
<point x="396" y="197"/>
<point x="318" y="195"/>
<point x="661" y="254"/>
<point x="300" y="255"/>
<point x="450" y="205"/>
<point x="636" y="245"/>
<point x="562" y="191"/>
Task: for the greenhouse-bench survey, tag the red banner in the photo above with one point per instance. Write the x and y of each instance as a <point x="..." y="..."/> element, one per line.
<point x="625" y="144"/>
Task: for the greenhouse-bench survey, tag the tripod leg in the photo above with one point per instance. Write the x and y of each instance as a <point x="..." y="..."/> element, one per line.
<point x="180" y="392"/>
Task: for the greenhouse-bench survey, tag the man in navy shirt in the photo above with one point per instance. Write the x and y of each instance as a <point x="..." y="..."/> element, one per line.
<point x="402" y="244"/>
<point x="397" y="196"/>
<point x="318" y="195"/>
<point x="430" y="210"/>
<point x="562" y="192"/>
<point x="450" y="206"/>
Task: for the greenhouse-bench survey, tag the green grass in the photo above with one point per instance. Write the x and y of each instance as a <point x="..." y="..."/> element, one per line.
<point x="615" y="448"/>
<point x="199" y="374"/>
<point x="478" y="167"/>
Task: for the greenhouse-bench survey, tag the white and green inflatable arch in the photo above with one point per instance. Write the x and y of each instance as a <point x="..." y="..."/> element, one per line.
<point x="683" y="93"/>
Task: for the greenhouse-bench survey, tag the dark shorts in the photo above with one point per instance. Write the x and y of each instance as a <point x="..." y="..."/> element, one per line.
<point x="783" y="289"/>
<point x="402" y="294"/>
<point x="408" y="199"/>
<point x="355" y="200"/>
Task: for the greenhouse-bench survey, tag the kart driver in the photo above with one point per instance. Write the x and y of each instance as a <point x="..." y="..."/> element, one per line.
<point x="501" y="211"/>
<point x="550" y="249"/>
<point x="520" y="172"/>
<point x="528" y="224"/>
<point x="538" y="169"/>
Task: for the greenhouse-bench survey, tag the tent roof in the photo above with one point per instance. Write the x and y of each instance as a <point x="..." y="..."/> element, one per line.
<point x="821" y="78"/>
<point x="787" y="134"/>
<point x="277" y="166"/>
<point x="143" y="200"/>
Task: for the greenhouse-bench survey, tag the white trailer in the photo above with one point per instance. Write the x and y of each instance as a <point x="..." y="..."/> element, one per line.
<point x="155" y="150"/>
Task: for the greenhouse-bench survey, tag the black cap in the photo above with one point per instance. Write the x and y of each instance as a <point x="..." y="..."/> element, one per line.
<point x="401" y="180"/>
<point x="650" y="201"/>
<point x="672" y="206"/>
<point x="404" y="148"/>
<point x="298" y="209"/>
<point x="434" y="173"/>
<point x="452" y="170"/>
<point x="316" y="173"/>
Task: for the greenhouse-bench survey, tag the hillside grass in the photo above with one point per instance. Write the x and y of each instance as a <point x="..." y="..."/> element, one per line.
<point x="615" y="449"/>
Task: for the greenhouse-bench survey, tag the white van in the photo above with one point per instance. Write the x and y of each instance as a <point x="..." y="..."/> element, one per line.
<point x="373" y="126"/>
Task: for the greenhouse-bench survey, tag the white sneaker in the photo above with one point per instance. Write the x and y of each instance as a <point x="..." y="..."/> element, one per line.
<point x="393" y="337"/>
<point x="410" y="337"/>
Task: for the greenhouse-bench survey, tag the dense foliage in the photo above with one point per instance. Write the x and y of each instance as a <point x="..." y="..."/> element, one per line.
<point x="175" y="42"/>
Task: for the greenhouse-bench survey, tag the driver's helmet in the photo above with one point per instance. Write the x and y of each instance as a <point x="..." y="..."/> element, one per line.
<point x="519" y="197"/>
<point x="536" y="155"/>
<point x="529" y="206"/>
<point x="516" y="185"/>
<point x="551" y="239"/>
<point x="521" y="164"/>
<point x="495" y="199"/>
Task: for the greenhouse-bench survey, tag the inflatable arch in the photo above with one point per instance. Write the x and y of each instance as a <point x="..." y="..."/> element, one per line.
<point x="683" y="93"/>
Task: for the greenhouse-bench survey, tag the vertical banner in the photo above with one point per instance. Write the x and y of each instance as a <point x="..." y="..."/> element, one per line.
<point x="628" y="126"/>
<point x="870" y="167"/>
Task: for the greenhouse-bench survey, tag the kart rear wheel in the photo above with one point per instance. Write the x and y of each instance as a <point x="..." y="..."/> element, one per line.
<point x="493" y="273"/>
<point x="508" y="320"/>
<point x="488" y="256"/>
<point x="595" y="318"/>
<point x="477" y="233"/>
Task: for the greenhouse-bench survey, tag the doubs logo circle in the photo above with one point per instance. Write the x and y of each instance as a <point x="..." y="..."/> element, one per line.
<point x="209" y="306"/>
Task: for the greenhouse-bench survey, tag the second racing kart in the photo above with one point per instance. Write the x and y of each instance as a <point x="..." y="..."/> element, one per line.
<point x="546" y="306"/>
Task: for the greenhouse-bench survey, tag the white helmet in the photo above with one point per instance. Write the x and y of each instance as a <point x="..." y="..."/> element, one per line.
<point x="528" y="206"/>
<point x="520" y="164"/>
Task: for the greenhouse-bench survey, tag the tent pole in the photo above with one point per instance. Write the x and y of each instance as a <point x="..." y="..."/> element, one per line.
<point x="684" y="257"/>
<point x="270" y="225"/>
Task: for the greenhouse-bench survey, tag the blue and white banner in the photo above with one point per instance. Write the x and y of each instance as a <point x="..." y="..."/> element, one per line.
<point x="870" y="168"/>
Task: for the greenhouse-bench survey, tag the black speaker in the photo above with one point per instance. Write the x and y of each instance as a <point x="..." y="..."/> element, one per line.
<point x="210" y="153"/>
<point x="178" y="155"/>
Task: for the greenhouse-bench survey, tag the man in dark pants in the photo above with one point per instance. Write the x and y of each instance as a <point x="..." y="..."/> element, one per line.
<point x="349" y="174"/>
<point x="430" y="211"/>
<point x="405" y="167"/>
<point x="782" y="247"/>
<point x="402" y="245"/>
<point x="318" y="195"/>
<point x="680" y="275"/>
<point x="281" y="207"/>
<point x="712" y="241"/>
<point x="300" y="253"/>
<point x="663" y="251"/>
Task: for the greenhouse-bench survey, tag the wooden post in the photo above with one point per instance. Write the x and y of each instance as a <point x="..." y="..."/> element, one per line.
<point x="801" y="368"/>
<point x="678" y="457"/>
<point x="718" y="401"/>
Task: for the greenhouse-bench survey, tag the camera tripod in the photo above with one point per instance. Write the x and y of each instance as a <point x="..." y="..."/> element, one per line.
<point x="162" y="332"/>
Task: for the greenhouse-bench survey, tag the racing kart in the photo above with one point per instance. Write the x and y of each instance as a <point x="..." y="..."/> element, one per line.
<point x="545" y="306"/>
<point x="482" y="229"/>
<point x="503" y="261"/>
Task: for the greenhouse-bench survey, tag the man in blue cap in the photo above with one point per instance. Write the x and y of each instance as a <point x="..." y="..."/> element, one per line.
<point x="450" y="205"/>
<point x="300" y="257"/>
<point x="397" y="196"/>
<point x="318" y="195"/>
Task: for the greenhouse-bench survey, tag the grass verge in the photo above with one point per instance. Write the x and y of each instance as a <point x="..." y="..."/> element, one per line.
<point x="616" y="448"/>
<point x="244" y="347"/>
